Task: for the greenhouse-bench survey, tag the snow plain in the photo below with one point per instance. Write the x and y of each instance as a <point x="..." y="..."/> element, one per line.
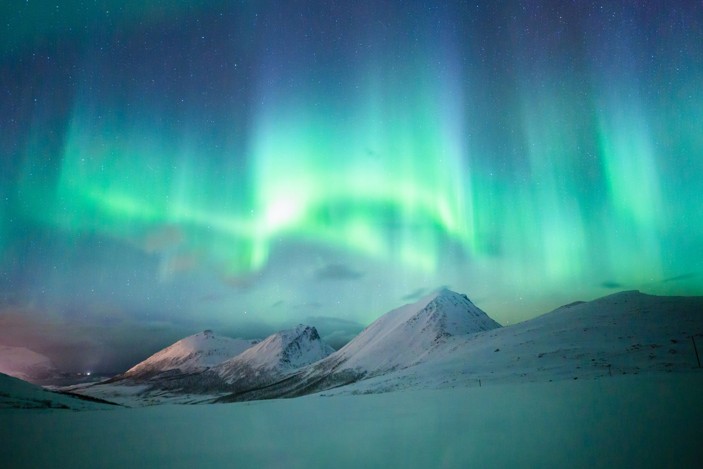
<point x="624" y="421"/>
<point x="18" y="394"/>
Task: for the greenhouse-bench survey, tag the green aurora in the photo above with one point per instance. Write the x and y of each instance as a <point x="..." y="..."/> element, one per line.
<point x="526" y="155"/>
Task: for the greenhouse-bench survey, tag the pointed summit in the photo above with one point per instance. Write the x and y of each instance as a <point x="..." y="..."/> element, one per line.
<point x="192" y="354"/>
<point x="455" y="314"/>
<point x="278" y="353"/>
<point x="405" y="335"/>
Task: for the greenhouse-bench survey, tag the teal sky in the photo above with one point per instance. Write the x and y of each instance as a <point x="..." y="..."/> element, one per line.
<point x="245" y="166"/>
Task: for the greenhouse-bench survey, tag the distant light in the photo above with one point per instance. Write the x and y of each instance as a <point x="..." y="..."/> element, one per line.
<point x="87" y="373"/>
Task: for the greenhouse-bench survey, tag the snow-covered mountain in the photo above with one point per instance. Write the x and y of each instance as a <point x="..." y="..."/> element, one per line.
<point x="274" y="356"/>
<point x="412" y="347"/>
<point x="403" y="337"/>
<point x="192" y="354"/>
<point x="204" y="366"/>
<point x="443" y="340"/>
<point x="621" y="334"/>
<point x="19" y="394"/>
<point x="26" y="364"/>
<point x="407" y="335"/>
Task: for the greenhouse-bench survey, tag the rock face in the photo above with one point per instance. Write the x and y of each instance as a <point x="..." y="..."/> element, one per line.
<point x="401" y="338"/>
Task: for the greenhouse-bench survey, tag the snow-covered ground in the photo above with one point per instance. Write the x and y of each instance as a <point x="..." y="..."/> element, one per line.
<point x="623" y="421"/>
<point x="18" y="394"/>
<point x="134" y="395"/>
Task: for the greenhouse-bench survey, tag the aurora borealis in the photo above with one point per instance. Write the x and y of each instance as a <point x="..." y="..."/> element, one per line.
<point x="247" y="165"/>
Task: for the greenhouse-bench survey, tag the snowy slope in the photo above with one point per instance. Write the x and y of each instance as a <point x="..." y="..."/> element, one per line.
<point x="403" y="337"/>
<point x="445" y="341"/>
<point x="204" y="367"/>
<point x="624" y="333"/>
<point x="189" y="355"/>
<point x="176" y="374"/>
<point x="621" y="334"/>
<point x="274" y="356"/>
<point x="18" y="394"/>
<point x="26" y="364"/>
<point x="407" y="335"/>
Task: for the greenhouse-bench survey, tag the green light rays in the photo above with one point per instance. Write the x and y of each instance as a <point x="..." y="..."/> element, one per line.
<point x="389" y="182"/>
<point x="635" y="194"/>
<point x="496" y="148"/>
<point x="373" y="182"/>
<point x="556" y="227"/>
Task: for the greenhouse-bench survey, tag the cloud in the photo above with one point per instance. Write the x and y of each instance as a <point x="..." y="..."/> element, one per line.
<point x="241" y="283"/>
<point x="415" y="294"/>
<point x="212" y="297"/>
<point x="335" y="331"/>
<point x="422" y="292"/>
<point x="100" y="344"/>
<point x="162" y="239"/>
<point x="337" y="272"/>
<point x="250" y="329"/>
<point x="679" y="278"/>
<point x="176" y="263"/>
<point x="611" y="284"/>
<point x="308" y="305"/>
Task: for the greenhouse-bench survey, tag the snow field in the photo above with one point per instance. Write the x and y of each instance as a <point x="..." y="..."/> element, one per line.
<point x="624" y="421"/>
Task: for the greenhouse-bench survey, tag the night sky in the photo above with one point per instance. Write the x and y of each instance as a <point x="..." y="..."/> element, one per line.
<point x="248" y="165"/>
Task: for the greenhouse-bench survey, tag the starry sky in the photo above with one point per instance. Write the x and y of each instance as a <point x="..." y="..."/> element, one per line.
<point x="171" y="166"/>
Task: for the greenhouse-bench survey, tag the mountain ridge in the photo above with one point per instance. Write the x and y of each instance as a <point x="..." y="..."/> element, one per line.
<point x="203" y="365"/>
<point x="444" y="340"/>
<point x="191" y="354"/>
<point x="399" y="339"/>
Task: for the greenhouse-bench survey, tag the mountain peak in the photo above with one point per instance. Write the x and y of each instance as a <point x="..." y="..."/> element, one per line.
<point x="302" y="330"/>
<point x="310" y="332"/>
<point x="402" y="336"/>
<point x="191" y="354"/>
<point x="445" y="293"/>
<point x="451" y="313"/>
<point x="280" y="352"/>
